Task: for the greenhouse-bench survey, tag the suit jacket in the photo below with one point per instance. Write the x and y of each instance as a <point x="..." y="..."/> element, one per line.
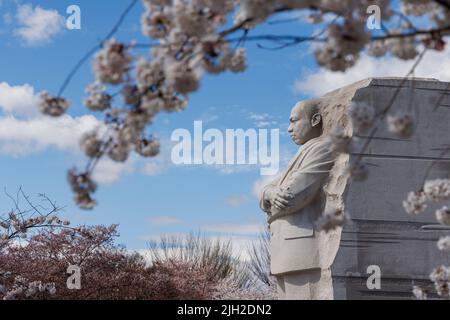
<point x="295" y="241"/>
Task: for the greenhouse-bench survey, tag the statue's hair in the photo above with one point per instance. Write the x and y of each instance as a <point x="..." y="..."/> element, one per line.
<point x="334" y="115"/>
<point x="311" y="107"/>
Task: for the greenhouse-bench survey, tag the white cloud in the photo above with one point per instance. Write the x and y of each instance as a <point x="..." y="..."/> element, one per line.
<point x="108" y="171"/>
<point x="161" y="163"/>
<point x="156" y="238"/>
<point x="18" y="100"/>
<point x="22" y="137"/>
<point x="164" y="220"/>
<point x="35" y="132"/>
<point x="236" y="201"/>
<point x="258" y="116"/>
<point x="154" y="167"/>
<point x="234" y="229"/>
<point x="241" y="245"/>
<point x="262" y="124"/>
<point x="262" y="120"/>
<point x="38" y="25"/>
<point x="316" y="83"/>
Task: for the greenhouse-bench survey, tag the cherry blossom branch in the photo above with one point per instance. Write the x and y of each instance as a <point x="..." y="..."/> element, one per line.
<point x="404" y="18"/>
<point x="417" y="32"/>
<point x="18" y="222"/>
<point x="299" y="39"/>
<point x="88" y="54"/>
<point x="275" y="38"/>
<point x="189" y="42"/>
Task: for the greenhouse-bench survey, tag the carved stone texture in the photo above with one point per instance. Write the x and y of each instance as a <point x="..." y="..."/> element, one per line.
<point x="380" y="232"/>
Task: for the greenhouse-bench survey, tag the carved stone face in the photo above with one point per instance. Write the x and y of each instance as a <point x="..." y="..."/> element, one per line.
<point x="303" y="126"/>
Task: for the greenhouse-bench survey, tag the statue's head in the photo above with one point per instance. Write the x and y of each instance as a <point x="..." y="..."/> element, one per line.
<point x="305" y="121"/>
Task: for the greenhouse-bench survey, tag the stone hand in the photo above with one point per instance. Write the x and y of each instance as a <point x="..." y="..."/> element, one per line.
<point x="269" y="193"/>
<point x="282" y="199"/>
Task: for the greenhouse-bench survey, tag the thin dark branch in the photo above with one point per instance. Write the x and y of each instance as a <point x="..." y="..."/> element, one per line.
<point x="431" y="166"/>
<point x="121" y="19"/>
<point x="287" y="20"/>
<point x="242" y="24"/>
<point x="98" y="46"/>
<point x="289" y="40"/>
<point x="311" y="38"/>
<point x="77" y="67"/>
<point x="280" y="38"/>
<point x="28" y="201"/>
<point x="298" y="39"/>
<point x="391" y="103"/>
<point x="416" y="32"/>
<point x="404" y="18"/>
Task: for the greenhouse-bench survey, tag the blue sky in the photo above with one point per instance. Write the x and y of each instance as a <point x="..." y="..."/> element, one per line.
<point x="151" y="197"/>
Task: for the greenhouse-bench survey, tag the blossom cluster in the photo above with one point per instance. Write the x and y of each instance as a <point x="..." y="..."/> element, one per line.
<point x="443" y="215"/>
<point x="433" y="191"/>
<point x="82" y="186"/>
<point x="342" y="143"/>
<point x="401" y="124"/>
<point x="16" y="225"/>
<point x="331" y="219"/>
<point x="444" y="243"/>
<point x="415" y="203"/>
<point x="441" y="278"/>
<point x="23" y="288"/>
<point x="52" y="106"/>
<point x="420" y="293"/>
<point x="437" y="190"/>
<point x="229" y="289"/>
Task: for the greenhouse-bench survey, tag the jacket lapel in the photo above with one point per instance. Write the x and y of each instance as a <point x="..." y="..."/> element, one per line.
<point x="297" y="160"/>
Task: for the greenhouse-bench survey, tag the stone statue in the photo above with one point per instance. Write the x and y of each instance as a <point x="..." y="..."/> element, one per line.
<point x="378" y="232"/>
<point x="294" y="203"/>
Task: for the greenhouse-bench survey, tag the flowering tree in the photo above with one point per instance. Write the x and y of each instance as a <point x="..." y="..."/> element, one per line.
<point x="20" y="221"/>
<point x="38" y="248"/>
<point x="15" y="227"/>
<point x="108" y="271"/>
